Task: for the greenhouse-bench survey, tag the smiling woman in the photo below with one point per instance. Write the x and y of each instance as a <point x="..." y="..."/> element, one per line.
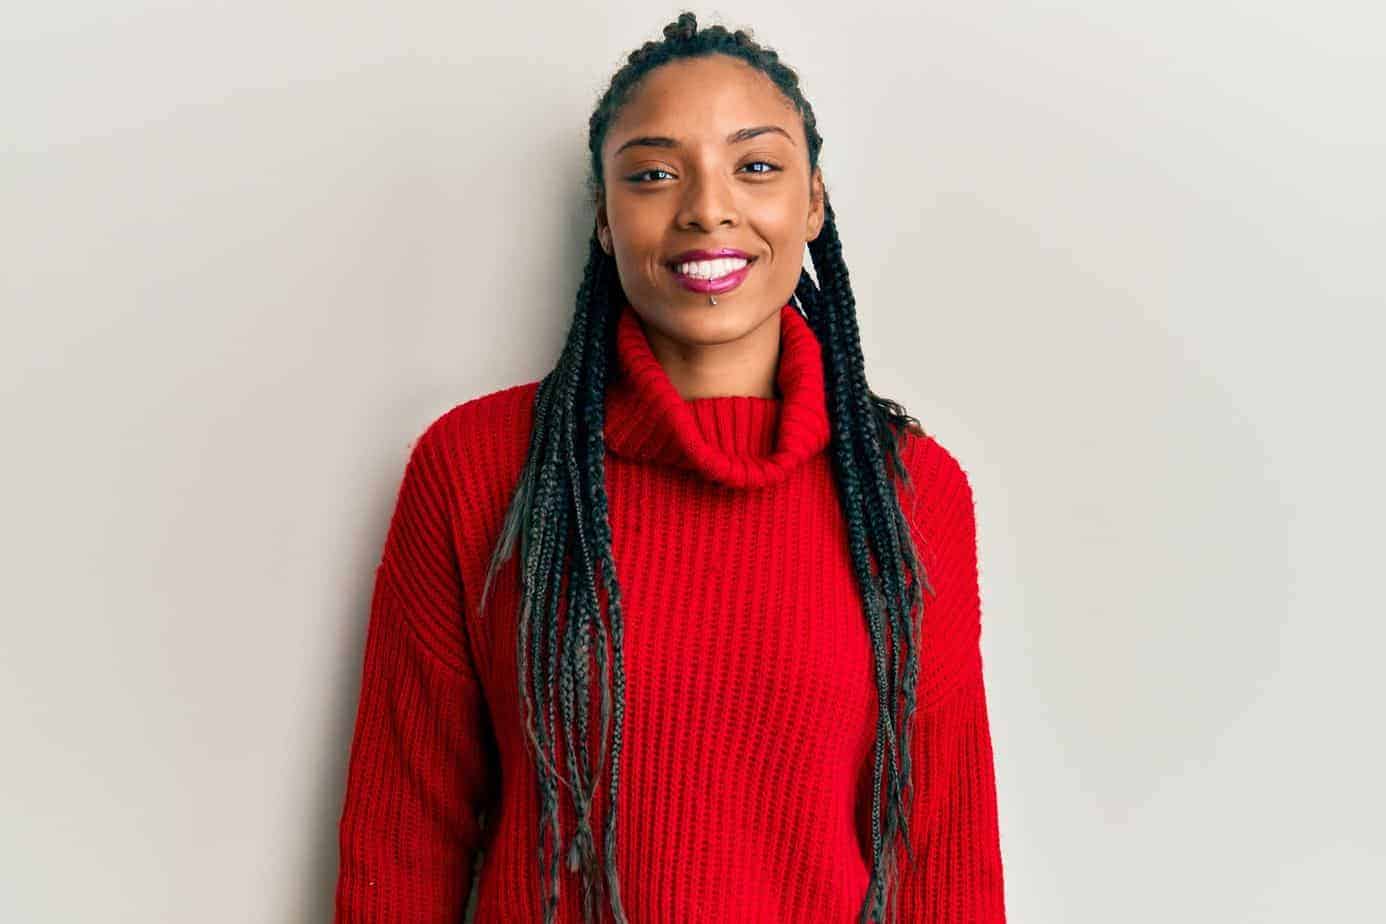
<point x="687" y="630"/>
<point x="709" y="153"/>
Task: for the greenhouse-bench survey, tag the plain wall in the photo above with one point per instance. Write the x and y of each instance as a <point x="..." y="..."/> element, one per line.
<point x="1122" y="258"/>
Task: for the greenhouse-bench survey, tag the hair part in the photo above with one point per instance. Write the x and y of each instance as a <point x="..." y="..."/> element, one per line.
<point x="558" y="520"/>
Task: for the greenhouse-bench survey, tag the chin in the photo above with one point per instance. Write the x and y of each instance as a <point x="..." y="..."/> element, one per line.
<point x="704" y="324"/>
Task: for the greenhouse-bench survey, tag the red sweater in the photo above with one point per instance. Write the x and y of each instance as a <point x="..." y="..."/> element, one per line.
<point x="750" y="700"/>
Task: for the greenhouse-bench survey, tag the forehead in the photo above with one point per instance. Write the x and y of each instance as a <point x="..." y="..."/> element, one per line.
<point x="711" y="96"/>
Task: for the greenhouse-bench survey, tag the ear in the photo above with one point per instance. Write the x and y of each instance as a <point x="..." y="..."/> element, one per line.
<point x="603" y="226"/>
<point x="816" y="210"/>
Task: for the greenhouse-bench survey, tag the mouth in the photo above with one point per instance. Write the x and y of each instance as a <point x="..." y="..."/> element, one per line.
<point x="712" y="276"/>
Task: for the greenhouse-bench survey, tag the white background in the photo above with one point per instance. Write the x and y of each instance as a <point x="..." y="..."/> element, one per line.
<point x="1122" y="258"/>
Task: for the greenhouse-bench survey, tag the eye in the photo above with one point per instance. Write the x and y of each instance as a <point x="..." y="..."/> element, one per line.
<point x="637" y="177"/>
<point x="640" y="177"/>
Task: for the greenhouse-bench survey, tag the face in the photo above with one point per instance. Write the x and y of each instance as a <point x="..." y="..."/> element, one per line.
<point x="682" y="173"/>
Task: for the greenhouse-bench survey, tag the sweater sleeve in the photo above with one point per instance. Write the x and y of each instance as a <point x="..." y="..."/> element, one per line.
<point x="956" y="877"/>
<point x="418" y="771"/>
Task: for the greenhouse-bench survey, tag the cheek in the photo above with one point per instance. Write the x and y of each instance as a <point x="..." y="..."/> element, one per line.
<point x="637" y="234"/>
<point x="782" y="224"/>
<point x="786" y="240"/>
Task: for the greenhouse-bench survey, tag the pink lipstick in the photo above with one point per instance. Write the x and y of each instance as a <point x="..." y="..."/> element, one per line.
<point x="711" y="271"/>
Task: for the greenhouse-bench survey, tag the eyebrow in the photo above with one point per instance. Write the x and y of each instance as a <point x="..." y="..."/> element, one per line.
<point x="736" y="137"/>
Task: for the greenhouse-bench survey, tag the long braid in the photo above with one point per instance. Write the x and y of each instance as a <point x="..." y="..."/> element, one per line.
<point x="875" y="522"/>
<point x="583" y="597"/>
<point x="558" y="519"/>
<point x="595" y="413"/>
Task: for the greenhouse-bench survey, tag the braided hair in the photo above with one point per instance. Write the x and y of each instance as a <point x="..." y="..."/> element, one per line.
<point x="558" y="518"/>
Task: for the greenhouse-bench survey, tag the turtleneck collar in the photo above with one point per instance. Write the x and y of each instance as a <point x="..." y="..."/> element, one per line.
<point x="740" y="441"/>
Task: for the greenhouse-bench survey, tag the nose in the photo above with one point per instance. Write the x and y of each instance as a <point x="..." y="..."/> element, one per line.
<point x="708" y="203"/>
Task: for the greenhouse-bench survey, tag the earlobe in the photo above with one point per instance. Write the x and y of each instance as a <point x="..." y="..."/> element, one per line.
<point x="816" y="210"/>
<point x="603" y="229"/>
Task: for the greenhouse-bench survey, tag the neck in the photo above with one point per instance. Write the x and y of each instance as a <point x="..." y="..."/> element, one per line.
<point x="743" y="440"/>
<point x="744" y="366"/>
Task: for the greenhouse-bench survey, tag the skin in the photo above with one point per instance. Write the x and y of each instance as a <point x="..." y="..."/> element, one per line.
<point x="701" y="191"/>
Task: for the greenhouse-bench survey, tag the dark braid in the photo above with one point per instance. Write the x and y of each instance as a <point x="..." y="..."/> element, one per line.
<point x="864" y="441"/>
<point x="558" y="517"/>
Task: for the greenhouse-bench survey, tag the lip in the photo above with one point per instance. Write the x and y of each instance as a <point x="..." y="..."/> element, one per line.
<point x="721" y="283"/>
<point x="689" y="256"/>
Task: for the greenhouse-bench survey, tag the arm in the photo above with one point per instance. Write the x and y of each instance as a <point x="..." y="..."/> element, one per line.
<point x="956" y="877"/>
<point x="418" y="771"/>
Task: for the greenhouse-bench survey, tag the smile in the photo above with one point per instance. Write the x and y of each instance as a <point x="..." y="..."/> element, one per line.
<point x="712" y="276"/>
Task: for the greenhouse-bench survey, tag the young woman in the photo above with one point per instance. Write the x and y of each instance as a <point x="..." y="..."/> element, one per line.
<point x="688" y="630"/>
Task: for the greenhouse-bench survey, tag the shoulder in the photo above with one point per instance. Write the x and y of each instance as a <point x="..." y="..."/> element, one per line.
<point x="942" y="519"/>
<point x="472" y="453"/>
<point x="939" y="506"/>
<point x="488" y="421"/>
<point x="941" y="485"/>
<point x="482" y="439"/>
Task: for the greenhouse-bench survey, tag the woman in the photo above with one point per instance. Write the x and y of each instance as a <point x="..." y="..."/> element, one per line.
<point x="699" y="572"/>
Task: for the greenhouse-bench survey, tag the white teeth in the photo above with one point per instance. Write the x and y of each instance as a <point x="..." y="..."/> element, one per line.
<point x="711" y="269"/>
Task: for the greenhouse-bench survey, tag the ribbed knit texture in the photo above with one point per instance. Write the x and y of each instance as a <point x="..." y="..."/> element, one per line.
<point x="750" y="700"/>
